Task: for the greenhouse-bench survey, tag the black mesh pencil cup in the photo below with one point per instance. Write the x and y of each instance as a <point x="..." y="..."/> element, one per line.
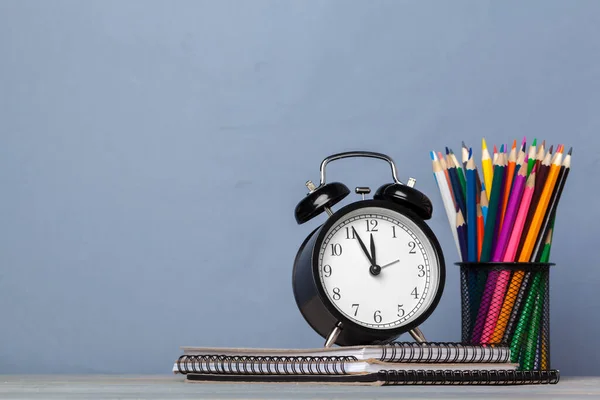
<point x="508" y="304"/>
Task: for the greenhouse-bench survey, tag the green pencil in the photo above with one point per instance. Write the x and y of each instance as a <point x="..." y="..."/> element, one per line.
<point x="531" y="155"/>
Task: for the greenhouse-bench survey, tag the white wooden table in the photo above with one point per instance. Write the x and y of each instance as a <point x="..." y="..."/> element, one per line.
<point x="174" y="387"/>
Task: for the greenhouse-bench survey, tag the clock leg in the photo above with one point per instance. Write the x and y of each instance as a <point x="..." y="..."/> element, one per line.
<point x="417" y="335"/>
<point x="333" y="335"/>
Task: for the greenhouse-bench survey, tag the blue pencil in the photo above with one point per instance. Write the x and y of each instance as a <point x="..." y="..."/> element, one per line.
<point x="471" y="210"/>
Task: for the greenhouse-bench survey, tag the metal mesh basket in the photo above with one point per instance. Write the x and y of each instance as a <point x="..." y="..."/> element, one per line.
<point x="508" y="304"/>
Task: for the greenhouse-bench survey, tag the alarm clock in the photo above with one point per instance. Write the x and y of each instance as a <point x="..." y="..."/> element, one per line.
<point x="374" y="269"/>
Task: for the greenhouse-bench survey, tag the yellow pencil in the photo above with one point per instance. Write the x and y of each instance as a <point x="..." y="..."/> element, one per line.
<point x="488" y="169"/>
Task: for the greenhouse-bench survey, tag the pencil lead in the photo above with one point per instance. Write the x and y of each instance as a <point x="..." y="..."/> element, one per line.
<point x="432" y="155"/>
<point x="544" y="143"/>
<point x="463" y="144"/>
<point x="550" y="149"/>
<point x="514" y="146"/>
<point x="570" y="150"/>
<point x="502" y="148"/>
<point x="483" y="144"/>
<point x="447" y="151"/>
<point x="470" y="153"/>
<point x="534" y="142"/>
<point x="524" y="142"/>
<point x="495" y="149"/>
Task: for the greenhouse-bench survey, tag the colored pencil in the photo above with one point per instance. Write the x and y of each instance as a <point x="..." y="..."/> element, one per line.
<point x="510" y="216"/>
<point x="480" y="230"/>
<point x="488" y="169"/>
<point x="532" y="152"/>
<point x="445" y="192"/>
<point x="465" y="155"/>
<point x="471" y="211"/>
<point x="456" y="187"/>
<point x="508" y="181"/>
<point x="502" y="158"/>
<point x="460" y="173"/>
<point x="484" y="201"/>
<point x="461" y="230"/>
<point x="445" y="169"/>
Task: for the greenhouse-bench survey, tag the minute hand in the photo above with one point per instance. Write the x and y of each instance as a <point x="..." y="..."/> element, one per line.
<point x="388" y="264"/>
<point x="362" y="245"/>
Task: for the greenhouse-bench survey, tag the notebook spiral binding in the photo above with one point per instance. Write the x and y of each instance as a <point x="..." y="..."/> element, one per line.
<point x="455" y="352"/>
<point x="477" y="377"/>
<point x="221" y="364"/>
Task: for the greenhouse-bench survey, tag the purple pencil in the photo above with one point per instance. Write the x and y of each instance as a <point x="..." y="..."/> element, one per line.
<point x="510" y="215"/>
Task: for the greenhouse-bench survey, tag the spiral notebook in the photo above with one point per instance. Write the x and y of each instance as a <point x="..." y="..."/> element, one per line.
<point x="393" y="377"/>
<point x="413" y="352"/>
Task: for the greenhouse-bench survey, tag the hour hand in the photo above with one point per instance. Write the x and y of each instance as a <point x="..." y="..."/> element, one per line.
<point x="373" y="256"/>
<point x="362" y="246"/>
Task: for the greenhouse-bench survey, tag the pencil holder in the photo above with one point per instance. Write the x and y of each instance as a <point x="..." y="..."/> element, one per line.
<point x="508" y="304"/>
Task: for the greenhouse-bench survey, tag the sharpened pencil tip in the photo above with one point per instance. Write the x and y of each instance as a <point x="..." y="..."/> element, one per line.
<point x="502" y="149"/>
<point x="550" y="149"/>
<point x="570" y="151"/>
<point x="432" y="155"/>
<point x="447" y="151"/>
<point x="514" y="146"/>
<point x="463" y="144"/>
<point x="483" y="144"/>
<point x="534" y="142"/>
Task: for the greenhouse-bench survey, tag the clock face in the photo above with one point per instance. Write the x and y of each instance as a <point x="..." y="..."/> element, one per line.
<point x="387" y="284"/>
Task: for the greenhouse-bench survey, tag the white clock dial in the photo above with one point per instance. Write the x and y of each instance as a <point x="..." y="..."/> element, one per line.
<point x="401" y="286"/>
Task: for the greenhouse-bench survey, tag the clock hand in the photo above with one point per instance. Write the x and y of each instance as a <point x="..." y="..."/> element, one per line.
<point x="373" y="256"/>
<point x="362" y="246"/>
<point x="391" y="263"/>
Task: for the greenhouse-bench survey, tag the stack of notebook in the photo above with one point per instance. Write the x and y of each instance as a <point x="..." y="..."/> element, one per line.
<point x="391" y="364"/>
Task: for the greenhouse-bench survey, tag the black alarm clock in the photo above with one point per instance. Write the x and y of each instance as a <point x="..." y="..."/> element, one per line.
<point x="374" y="269"/>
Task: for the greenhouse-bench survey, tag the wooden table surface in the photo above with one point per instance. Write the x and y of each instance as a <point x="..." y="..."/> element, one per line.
<point x="174" y="387"/>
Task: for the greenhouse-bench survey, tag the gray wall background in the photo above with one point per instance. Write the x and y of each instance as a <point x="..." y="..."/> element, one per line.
<point x="152" y="154"/>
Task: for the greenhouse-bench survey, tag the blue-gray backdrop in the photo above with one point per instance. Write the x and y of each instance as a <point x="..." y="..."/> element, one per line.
<point x="152" y="154"/>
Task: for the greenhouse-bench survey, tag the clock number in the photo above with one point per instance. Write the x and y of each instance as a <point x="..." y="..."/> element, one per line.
<point x="350" y="233"/>
<point x="336" y="249"/>
<point x="327" y="270"/>
<point x="421" y="271"/>
<point x="372" y="225"/>
<point x="412" y="246"/>
<point x="356" y="310"/>
<point x="377" y="316"/>
<point x="415" y="293"/>
<point x="336" y="294"/>
<point x="401" y="311"/>
<point x="394" y="231"/>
